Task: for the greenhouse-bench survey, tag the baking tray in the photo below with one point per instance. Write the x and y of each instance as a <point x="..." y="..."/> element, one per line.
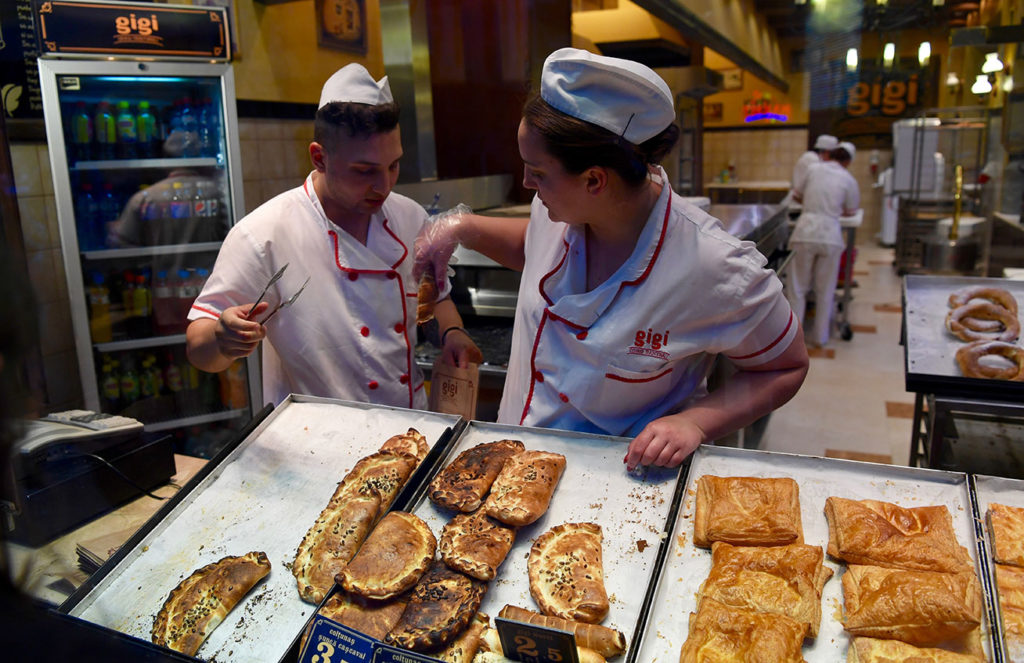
<point x="819" y="478"/>
<point x="989" y="489"/>
<point x="263" y="495"/>
<point x="930" y="350"/>
<point x="633" y="510"/>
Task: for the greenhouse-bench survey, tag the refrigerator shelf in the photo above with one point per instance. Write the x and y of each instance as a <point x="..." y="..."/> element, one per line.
<point x="140" y="343"/>
<point x="150" y="251"/>
<point x="133" y="164"/>
<point x="196" y="420"/>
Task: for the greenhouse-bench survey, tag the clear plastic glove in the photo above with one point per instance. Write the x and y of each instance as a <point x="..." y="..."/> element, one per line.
<point x="436" y="243"/>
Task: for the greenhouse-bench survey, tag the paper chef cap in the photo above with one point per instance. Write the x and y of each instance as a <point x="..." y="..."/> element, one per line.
<point x="850" y="149"/>
<point x="353" y="84"/>
<point x="826" y="142"/>
<point x="622" y="96"/>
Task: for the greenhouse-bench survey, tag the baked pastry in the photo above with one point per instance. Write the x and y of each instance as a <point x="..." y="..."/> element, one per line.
<point x="412" y="443"/>
<point x="1010" y="587"/>
<point x="463" y="484"/>
<point x="747" y="511"/>
<point x="201" y="601"/>
<point x="874" y="650"/>
<point x="381" y="474"/>
<point x="1008" y="328"/>
<point x="722" y="633"/>
<point x="969" y="356"/>
<point x="440" y="606"/>
<point x="393" y="557"/>
<point x="605" y="641"/>
<point x="998" y="296"/>
<point x="464" y="648"/>
<point x="566" y="573"/>
<point x="491" y="651"/>
<point x="1006" y="525"/>
<point x="476" y="544"/>
<point x="919" y="607"/>
<point x="522" y="490"/>
<point x="782" y="580"/>
<point x="426" y="298"/>
<point x="372" y="618"/>
<point x="878" y="533"/>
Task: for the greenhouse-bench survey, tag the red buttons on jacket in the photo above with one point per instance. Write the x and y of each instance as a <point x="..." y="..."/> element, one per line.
<point x="392" y="274"/>
<point x="582" y="335"/>
<point x="399" y="328"/>
<point x="365" y="331"/>
<point x="373" y="384"/>
<point x="404" y="379"/>
<point x="538" y="376"/>
<point x="565" y="399"/>
<point x="352" y="276"/>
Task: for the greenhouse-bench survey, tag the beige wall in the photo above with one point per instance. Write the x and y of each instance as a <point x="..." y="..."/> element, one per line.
<point x="739" y="21"/>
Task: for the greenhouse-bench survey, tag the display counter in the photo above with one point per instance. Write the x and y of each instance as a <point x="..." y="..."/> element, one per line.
<point x="747" y="191"/>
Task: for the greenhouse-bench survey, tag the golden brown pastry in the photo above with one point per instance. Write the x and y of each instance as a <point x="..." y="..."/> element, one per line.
<point x="463" y="648"/>
<point x="380" y="474"/>
<point x="873" y="650"/>
<point x="491" y="651"/>
<point x="747" y="511"/>
<point x="567" y="574"/>
<point x="605" y="641"/>
<point x="392" y="559"/>
<point x="1006" y="525"/>
<point x="476" y="544"/>
<point x="440" y="607"/>
<point x="463" y="484"/>
<point x="372" y="618"/>
<point x="1010" y="587"/>
<point x="426" y="298"/>
<point x="919" y="607"/>
<point x="723" y="634"/>
<point x="523" y="489"/>
<point x="782" y="580"/>
<point x="412" y="443"/>
<point x="201" y="601"/>
<point x="882" y="534"/>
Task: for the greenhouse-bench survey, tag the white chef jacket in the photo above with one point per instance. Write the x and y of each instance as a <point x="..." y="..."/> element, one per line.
<point x="803" y="164"/>
<point x="352" y="333"/>
<point x="640" y="345"/>
<point x="830" y="189"/>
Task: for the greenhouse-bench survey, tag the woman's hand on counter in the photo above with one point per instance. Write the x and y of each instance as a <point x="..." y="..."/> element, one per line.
<point x="665" y="442"/>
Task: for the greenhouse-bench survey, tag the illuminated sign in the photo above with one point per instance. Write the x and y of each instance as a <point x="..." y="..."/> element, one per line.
<point x="891" y="96"/>
<point x="760" y="107"/>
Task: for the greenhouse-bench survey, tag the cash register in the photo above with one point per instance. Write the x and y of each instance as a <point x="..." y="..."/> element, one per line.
<point x="69" y="467"/>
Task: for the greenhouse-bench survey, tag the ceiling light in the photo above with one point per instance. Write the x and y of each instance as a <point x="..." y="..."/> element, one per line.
<point x="992" y="63"/>
<point x="851" y="59"/>
<point x="924" y="52"/>
<point x="981" y="85"/>
<point x="889" y="54"/>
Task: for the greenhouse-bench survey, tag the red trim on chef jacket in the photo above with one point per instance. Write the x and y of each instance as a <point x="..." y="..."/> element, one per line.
<point x="540" y="284"/>
<point x="613" y="376"/>
<point x="533" y="369"/>
<point x="770" y="345"/>
<point x="206" y="310"/>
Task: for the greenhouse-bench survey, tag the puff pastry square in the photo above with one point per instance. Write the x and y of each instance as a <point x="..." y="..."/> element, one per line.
<point x="877" y="533"/>
<point x="918" y="607"/>
<point x="1006" y="525"/>
<point x="1010" y="586"/>
<point x="782" y="580"/>
<point x="747" y="511"/>
<point x="873" y="650"/>
<point x="723" y="634"/>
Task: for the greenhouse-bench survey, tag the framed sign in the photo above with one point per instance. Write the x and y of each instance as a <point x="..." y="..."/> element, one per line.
<point x="732" y="79"/>
<point x="712" y="112"/>
<point x="341" y="25"/>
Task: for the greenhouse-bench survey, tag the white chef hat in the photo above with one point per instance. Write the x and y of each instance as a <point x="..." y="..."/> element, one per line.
<point x="622" y="96"/>
<point x="850" y="149"/>
<point x="826" y="142"/>
<point x="353" y="84"/>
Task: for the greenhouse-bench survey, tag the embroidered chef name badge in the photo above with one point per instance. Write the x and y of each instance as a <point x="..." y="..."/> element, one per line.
<point x="649" y="344"/>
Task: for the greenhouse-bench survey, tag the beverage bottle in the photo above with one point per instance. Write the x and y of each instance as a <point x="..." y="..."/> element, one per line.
<point x="149" y="217"/>
<point x="99" y="310"/>
<point x="147" y="131"/>
<point x="189" y="125"/>
<point x="128" y="297"/>
<point x="172" y="375"/>
<point x="105" y="129"/>
<point x="130" y="389"/>
<point x="81" y="133"/>
<point x="87" y="217"/>
<point x="127" y="131"/>
<point x="164" y="221"/>
<point x="156" y="377"/>
<point x="206" y="146"/>
<point x="163" y="304"/>
<point x="181" y="213"/>
<point x="232" y="386"/>
<point x="185" y="294"/>
<point x="110" y="385"/>
<point x="174" y="138"/>
<point x="145" y="381"/>
<point x="203" y="224"/>
<point x="110" y="211"/>
<point x="142" y="305"/>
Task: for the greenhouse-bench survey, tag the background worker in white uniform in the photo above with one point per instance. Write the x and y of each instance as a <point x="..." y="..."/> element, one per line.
<point x="352" y="333"/>
<point x="627" y="292"/>
<point x="830" y="191"/>
<point x="821" y="151"/>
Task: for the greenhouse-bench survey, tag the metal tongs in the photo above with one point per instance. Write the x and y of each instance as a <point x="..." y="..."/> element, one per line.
<point x="286" y="303"/>
<point x="273" y="279"/>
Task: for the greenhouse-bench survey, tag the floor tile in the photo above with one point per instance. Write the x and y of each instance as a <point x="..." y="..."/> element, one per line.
<point x="899" y="410"/>
<point x="888" y="308"/>
<point x="864" y="329"/>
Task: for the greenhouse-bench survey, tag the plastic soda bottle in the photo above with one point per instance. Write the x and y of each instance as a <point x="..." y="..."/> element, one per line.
<point x="232" y="386"/>
<point x="110" y="211"/>
<point x="87" y="217"/>
<point x="147" y="135"/>
<point x="163" y="304"/>
<point x="106" y="131"/>
<point x="172" y="375"/>
<point x="130" y="389"/>
<point x="181" y="210"/>
<point x="99" y="310"/>
<point x="127" y="131"/>
<point x="142" y="305"/>
<point x="190" y="125"/>
<point x="110" y="385"/>
<point x="81" y="133"/>
<point x="128" y="294"/>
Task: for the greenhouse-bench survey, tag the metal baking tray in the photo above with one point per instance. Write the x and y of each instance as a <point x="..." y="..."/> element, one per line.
<point x="999" y="490"/>
<point x="633" y="510"/>
<point x="264" y="495"/>
<point x="819" y="478"/>
<point x="930" y="350"/>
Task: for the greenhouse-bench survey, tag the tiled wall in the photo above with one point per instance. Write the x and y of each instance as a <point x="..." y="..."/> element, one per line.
<point x="275" y="157"/>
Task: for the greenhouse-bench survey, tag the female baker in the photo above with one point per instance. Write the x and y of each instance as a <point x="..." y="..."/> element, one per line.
<point x="627" y="292"/>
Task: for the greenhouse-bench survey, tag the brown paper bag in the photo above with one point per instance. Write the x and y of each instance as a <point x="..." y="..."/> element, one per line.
<point x="453" y="390"/>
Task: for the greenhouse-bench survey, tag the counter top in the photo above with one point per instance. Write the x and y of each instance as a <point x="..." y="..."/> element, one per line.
<point x="781" y="185"/>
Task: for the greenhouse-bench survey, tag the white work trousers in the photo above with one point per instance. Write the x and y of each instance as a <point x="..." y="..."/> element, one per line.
<point x="814" y="267"/>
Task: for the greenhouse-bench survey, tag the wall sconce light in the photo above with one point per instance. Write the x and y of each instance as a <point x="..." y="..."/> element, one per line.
<point x="938" y="3"/>
<point x="1007" y="83"/>
<point x="992" y="63"/>
<point x="981" y="85"/>
<point x="952" y="80"/>
<point x="889" y="54"/>
<point x="924" y="53"/>
<point x="800" y="2"/>
<point x="851" y="59"/>
<point x="881" y="3"/>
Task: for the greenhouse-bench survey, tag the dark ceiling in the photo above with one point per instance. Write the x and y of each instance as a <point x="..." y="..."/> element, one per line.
<point x="791" y="20"/>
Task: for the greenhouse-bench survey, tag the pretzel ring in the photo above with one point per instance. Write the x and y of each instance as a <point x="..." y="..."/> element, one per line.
<point x="969" y="356"/>
<point x="984" y="310"/>
<point x="995" y="295"/>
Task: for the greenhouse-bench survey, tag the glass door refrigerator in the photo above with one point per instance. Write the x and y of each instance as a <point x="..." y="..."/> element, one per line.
<point x="147" y="176"/>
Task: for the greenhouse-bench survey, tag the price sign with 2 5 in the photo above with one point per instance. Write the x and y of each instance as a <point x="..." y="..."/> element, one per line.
<point x="529" y="643"/>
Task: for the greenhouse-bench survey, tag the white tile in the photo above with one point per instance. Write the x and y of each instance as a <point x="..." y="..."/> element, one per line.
<point x="27" y="177"/>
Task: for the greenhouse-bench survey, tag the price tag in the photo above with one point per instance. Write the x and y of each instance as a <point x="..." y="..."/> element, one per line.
<point x="529" y="643"/>
<point x="330" y="642"/>
<point x="389" y="654"/>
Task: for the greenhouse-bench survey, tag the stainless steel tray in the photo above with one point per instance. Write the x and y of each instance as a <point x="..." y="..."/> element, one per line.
<point x="930" y="350"/>
<point x="687" y="566"/>
<point x="633" y="510"/>
<point x="263" y="496"/>
<point x="988" y="489"/>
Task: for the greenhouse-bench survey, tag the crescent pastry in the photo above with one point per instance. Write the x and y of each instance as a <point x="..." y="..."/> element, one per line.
<point x="882" y="534"/>
<point x="782" y="580"/>
<point x="463" y="484"/>
<point x="491" y="651"/>
<point x="393" y="557"/>
<point x="605" y="641"/>
<point x="476" y="544"/>
<point x="523" y="489"/>
<point x="412" y="443"/>
<point x="372" y="618"/>
<point x="463" y="649"/>
<point x="201" y="601"/>
<point x="566" y="573"/>
<point x="919" y="607"/>
<point x="721" y="633"/>
<point x="747" y="511"/>
<point x="873" y="650"/>
<point x="1010" y="585"/>
<point x="1006" y="525"/>
<point x="440" y="607"/>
